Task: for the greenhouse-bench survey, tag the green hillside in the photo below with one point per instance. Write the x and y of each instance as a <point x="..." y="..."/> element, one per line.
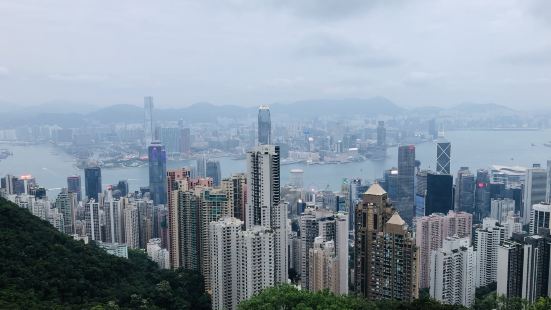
<point x="43" y="268"/>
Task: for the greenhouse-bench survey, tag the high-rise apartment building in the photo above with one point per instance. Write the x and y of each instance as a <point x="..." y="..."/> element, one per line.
<point x="92" y="182"/>
<point x="224" y="243"/>
<point x="325" y="226"/>
<point x="524" y="267"/>
<point x="213" y="206"/>
<point x="148" y="125"/>
<point x="264" y="125"/>
<point x="453" y="270"/>
<point x="177" y="181"/>
<point x="443" y="156"/>
<point x="323" y="270"/>
<point x="431" y="230"/>
<point x="113" y="219"/>
<point x="66" y="203"/>
<point x="157" y="173"/>
<point x="535" y="189"/>
<point x="386" y="256"/>
<point x="92" y="220"/>
<point x="236" y="190"/>
<point x="264" y="206"/>
<point x="132" y="226"/>
<point x="157" y="254"/>
<point x="488" y="239"/>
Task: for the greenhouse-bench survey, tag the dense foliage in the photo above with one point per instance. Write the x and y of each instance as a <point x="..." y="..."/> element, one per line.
<point x="286" y="297"/>
<point x="43" y="268"/>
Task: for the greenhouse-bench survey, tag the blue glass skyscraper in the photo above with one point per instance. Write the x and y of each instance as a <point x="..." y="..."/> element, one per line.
<point x="92" y="182"/>
<point x="157" y="172"/>
<point x="264" y="125"/>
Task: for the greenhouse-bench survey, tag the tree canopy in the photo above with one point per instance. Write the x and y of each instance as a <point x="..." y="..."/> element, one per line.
<point x="286" y="297"/>
<point x="42" y="268"/>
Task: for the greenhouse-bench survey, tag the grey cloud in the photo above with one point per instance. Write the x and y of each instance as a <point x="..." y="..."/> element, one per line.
<point x="532" y="58"/>
<point x="344" y="52"/>
<point x="4" y="71"/>
<point x="328" y="9"/>
<point x="325" y="45"/>
<point x="81" y="77"/>
<point x="374" y="61"/>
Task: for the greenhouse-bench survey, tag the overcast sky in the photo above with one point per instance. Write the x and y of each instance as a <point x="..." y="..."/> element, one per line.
<point x="255" y="52"/>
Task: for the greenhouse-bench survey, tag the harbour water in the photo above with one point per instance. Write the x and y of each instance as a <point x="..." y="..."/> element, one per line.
<point x="474" y="149"/>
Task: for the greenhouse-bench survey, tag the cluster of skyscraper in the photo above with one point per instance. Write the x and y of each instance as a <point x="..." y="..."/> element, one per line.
<point x="412" y="229"/>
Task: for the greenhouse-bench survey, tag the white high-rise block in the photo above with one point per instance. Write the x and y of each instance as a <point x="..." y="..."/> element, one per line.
<point x="453" y="270"/>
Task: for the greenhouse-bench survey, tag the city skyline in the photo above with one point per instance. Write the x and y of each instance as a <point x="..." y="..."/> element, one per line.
<point x="418" y="177"/>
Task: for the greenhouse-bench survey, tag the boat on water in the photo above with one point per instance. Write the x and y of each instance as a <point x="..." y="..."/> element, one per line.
<point x="548" y="144"/>
<point x="5" y="153"/>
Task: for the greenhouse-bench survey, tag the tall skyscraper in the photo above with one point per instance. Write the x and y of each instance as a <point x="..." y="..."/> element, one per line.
<point x="92" y="182"/>
<point x="148" y="125"/>
<point x="443" y="156"/>
<point x="540" y="218"/>
<point x="264" y="125"/>
<point x="439" y="196"/>
<point x="201" y="167"/>
<point x="548" y="190"/>
<point x="386" y="255"/>
<point x="501" y="208"/>
<point x="535" y="189"/>
<point x="171" y="138"/>
<point x="157" y="173"/>
<point x="453" y="269"/>
<point x="185" y="146"/>
<point x="213" y="171"/>
<point x="405" y="200"/>
<point x="482" y="195"/>
<point x="381" y="134"/>
<point x="355" y="192"/>
<point x="464" y="190"/>
<point x="74" y="186"/>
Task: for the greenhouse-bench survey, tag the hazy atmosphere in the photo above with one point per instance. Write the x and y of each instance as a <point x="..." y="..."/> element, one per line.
<point x="423" y="53"/>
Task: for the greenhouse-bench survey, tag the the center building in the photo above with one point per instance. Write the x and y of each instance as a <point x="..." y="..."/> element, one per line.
<point x="385" y="252"/>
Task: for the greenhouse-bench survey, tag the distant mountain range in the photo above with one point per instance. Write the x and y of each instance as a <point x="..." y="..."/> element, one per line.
<point x="68" y="114"/>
